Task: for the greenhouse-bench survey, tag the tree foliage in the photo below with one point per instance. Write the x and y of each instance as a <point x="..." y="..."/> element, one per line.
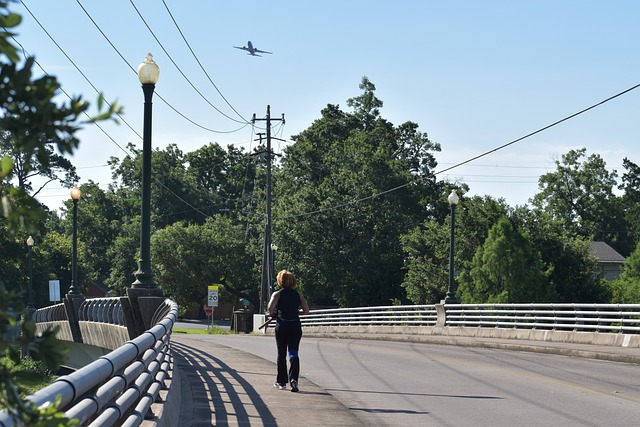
<point x="338" y="223"/>
<point x="575" y="274"/>
<point x="190" y="257"/>
<point x="631" y="201"/>
<point x="626" y="289"/>
<point x="506" y="269"/>
<point x="579" y="194"/>
<point x="32" y="125"/>
<point x="427" y="246"/>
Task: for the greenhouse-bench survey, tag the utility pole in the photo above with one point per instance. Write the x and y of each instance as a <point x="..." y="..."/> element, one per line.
<point x="267" y="260"/>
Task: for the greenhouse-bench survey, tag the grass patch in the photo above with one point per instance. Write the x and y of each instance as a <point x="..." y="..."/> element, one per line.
<point x="217" y="330"/>
<point x="190" y="331"/>
<point x="29" y="376"/>
<point x="30" y="382"/>
<point x="211" y="330"/>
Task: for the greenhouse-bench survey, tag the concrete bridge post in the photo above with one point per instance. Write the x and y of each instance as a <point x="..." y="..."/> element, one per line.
<point x="138" y="307"/>
<point x="72" y="303"/>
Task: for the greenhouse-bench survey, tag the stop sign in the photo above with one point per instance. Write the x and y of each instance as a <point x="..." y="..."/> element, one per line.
<point x="208" y="310"/>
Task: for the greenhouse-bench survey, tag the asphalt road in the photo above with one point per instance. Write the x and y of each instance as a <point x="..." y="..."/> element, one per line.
<point x="393" y="384"/>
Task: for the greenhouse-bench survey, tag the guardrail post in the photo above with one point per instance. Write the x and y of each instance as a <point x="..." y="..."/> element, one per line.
<point x="72" y="303"/>
<point x="441" y="316"/>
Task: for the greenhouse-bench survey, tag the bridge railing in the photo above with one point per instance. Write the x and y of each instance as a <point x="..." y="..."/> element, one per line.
<point x="415" y="315"/>
<point x="118" y="388"/>
<point x="622" y="318"/>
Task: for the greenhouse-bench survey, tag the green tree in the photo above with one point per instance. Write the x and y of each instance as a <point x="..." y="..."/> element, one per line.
<point x="579" y="194"/>
<point x="57" y="169"/>
<point x="506" y="269"/>
<point x="337" y="222"/>
<point x="626" y="289"/>
<point x="173" y="192"/>
<point x="188" y="258"/>
<point x="123" y="258"/>
<point x="34" y="122"/>
<point x="575" y="274"/>
<point x="631" y="200"/>
<point x="427" y="246"/>
<point x="224" y="180"/>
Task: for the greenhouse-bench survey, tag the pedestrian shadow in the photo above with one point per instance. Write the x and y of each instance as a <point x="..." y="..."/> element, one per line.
<point x="220" y="394"/>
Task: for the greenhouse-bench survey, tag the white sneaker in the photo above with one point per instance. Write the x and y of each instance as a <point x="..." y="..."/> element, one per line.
<point x="280" y="386"/>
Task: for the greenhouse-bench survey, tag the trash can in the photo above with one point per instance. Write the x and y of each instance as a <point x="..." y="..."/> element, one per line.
<point x="242" y="321"/>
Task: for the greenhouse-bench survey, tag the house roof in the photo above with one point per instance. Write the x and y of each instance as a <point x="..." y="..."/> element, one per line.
<point x="605" y="253"/>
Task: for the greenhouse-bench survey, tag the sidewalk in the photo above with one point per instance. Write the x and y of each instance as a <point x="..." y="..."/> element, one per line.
<point x="222" y="386"/>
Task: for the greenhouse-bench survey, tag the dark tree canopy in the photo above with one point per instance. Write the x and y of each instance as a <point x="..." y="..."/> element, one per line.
<point x="347" y="189"/>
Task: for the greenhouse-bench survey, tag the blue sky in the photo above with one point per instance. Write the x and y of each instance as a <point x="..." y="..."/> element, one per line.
<point x="473" y="75"/>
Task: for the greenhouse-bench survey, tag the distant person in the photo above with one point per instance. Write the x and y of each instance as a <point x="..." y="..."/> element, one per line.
<point x="285" y="307"/>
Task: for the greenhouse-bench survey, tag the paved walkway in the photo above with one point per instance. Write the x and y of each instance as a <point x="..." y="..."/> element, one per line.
<point x="222" y="386"/>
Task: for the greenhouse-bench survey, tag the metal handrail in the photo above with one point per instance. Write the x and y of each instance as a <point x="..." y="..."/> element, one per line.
<point x="559" y="316"/>
<point x="118" y="388"/>
<point x="418" y="315"/>
<point x="103" y="310"/>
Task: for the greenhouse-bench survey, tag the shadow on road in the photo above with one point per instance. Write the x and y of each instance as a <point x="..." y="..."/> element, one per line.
<point x="215" y="394"/>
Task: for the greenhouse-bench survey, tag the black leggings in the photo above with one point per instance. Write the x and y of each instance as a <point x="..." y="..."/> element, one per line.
<point x="288" y="335"/>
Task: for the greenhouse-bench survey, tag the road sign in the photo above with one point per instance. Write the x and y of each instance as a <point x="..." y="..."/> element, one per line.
<point x="213" y="296"/>
<point x="208" y="311"/>
<point x="54" y="290"/>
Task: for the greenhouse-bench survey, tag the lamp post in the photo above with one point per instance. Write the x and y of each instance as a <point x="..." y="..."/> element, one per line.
<point x="451" y="293"/>
<point x="30" y="307"/>
<point x="75" y="288"/>
<point x="148" y="73"/>
<point x="274" y="248"/>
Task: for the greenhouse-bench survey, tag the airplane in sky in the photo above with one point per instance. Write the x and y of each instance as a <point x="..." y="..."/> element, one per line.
<point x="251" y="50"/>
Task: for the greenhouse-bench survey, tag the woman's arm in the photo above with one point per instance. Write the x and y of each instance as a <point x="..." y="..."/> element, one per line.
<point x="273" y="303"/>
<point x="303" y="305"/>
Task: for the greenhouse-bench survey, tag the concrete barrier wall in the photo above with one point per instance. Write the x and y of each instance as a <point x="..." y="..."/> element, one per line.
<point x="96" y="334"/>
<point x="64" y="330"/>
<point x="105" y="335"/>
<point x="409" y="333"/>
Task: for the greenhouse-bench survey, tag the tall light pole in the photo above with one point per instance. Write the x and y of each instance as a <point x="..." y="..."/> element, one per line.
<point x="451" y="293"/>
<point x="272" y="278"/>
<point x="30" y="307"/>
<point x="75" y="288"/>
<point x="148" y="73"/>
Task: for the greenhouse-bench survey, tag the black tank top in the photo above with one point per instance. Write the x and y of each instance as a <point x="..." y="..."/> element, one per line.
<point x="288" y="305"/>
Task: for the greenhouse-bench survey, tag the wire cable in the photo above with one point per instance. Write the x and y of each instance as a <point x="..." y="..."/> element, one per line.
<point x="72" y="63"/>
<point x="199" y="63"/>
<point x="135" y="72"/>
<point x="486" y="153"/>
<point x="26" y="54"/>
<point x="179" y="69"/>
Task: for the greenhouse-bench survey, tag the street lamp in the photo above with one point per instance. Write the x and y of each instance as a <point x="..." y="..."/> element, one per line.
<point x="75" y="289"/>
<point x="148" y="73"/>
<point x="30" y="307"/>
<point x="451" y="293"/>
<point x="274" y="248"/>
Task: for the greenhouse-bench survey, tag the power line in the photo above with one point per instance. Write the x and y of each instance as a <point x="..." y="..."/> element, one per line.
<point x="25" y="54"/>
<point x="178" y="68"/>
<point x="541" y="129"/>
<point x="198" y="61"/>
<point x="135" y="72"/>
<point x="486" y="153"/>
<point x="127" y="153"/>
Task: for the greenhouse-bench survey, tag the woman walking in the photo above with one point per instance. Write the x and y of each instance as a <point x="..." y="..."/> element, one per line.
<point x="286" y="306"/>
